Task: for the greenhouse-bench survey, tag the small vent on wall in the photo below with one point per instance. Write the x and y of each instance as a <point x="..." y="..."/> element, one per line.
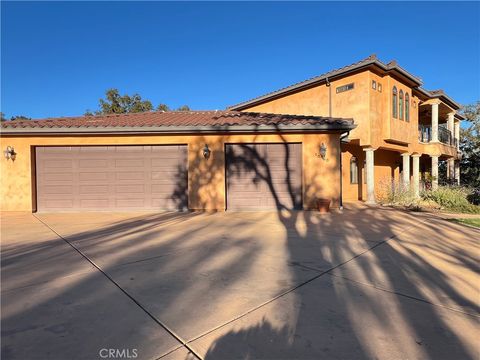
<point x="344" y="88"/>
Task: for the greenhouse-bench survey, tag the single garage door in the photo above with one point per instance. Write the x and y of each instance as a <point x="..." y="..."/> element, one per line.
<point x="111" y="178"/>
<point x="264" y="176"/>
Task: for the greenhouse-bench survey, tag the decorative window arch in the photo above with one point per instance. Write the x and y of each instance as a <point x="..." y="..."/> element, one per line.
<point x="394" y="102"/>
<point x="353" y="170"/>
<point x="400" y="105"/>
<point x="407" y="107"/>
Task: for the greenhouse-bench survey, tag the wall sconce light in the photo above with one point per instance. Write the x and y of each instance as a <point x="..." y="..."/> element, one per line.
<point x="323" y="151"/>
<point x="10" y="153"/>
<point x="206" y="152"/>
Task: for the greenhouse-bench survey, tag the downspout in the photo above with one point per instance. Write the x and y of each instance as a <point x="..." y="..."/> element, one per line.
<point x="329" y="97"/>
<point x="343" y="136"/>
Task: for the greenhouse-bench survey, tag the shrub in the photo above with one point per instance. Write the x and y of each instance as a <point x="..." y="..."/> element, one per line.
<point x="474" y="196"/>
<point x="392" y="192"/>
<point x="452" y="198"/>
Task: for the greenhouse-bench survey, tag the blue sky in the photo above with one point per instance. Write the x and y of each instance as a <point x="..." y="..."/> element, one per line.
<point x="58" y="58"/>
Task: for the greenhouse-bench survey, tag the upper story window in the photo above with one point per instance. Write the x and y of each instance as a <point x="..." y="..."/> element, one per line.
<point x="400" y="105"/>
<point x="379" y="87"/>
<point x="407" y="107"/>
<point x="374" y="85"/>
<point x="353" y="170"/>
<point x="394" y="102"/>
<point x="345" y="88"/>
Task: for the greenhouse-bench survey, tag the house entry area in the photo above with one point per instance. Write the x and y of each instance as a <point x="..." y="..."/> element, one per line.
<point x="71" y="178"/>
<point x="264" y="176"/>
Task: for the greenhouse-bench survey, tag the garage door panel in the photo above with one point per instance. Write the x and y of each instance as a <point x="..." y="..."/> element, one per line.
<point x="90" y="176"/>
<point x="130" y="163"/>
<point x="130" y="203"/>
<point x="127" y="175"/>
<point x="248" y="165"/>
<point x="58" y="164"/>
<point x="94" y="203"/>
<point x="111" y="177"/>
<point x="93" y="149"/>
<point x="93" y="189"/>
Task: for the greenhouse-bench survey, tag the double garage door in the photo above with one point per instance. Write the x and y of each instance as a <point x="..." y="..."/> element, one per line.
<point x="258" y="177"/>
<point x="111" y="178"/>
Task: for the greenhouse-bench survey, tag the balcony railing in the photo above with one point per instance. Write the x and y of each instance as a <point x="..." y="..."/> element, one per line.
<point x="424" y="133"/>
<point x="444" y="135"/>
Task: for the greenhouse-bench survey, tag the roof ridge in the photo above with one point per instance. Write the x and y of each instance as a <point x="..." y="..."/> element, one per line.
<point x="142" y="113"/>
<point x="369" y="59"/>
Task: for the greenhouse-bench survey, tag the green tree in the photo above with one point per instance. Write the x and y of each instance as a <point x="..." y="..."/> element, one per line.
<point x="16" y="117"/>
<point x="163" y="107"/>
<point x="184" y="108"/>
<point x="114" y="103"/>
<point x="470" y="146"/>
<point x="20" y="117"/>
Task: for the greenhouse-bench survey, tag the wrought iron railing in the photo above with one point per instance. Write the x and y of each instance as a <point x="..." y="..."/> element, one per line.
<point x="424" y="133"/>
<point x="444" y="135"/>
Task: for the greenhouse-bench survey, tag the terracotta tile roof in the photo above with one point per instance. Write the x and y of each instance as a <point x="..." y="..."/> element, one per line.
<point x="370" y="60"/>
<point x="176" y="119"/>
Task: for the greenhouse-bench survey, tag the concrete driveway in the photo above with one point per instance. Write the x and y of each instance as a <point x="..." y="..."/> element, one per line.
<point x="368" y="283"/>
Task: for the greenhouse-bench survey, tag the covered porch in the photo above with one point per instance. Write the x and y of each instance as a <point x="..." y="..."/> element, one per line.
<point x="368" y="173"/>
<point x="437" y="123"/>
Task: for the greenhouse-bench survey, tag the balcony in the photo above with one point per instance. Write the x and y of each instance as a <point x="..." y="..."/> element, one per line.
<point x="444" y="135"/>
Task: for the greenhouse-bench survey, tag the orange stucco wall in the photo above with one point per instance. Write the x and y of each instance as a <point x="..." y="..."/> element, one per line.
<point x="315" y="101"/>
<point x="206" y="178"/>
<point x="371" y="110"/>
<point x="386" y="169"/>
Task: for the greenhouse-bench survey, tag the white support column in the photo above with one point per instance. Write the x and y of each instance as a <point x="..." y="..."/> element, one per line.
<point x="451" y="168"/>
<point x="450" y="126"/>
<point x="457" y="171"/>
<point x="435" y="122"/>
<point x="406" y="170"/>
<point x="456" y="133"/>
<point x="370" y="175"/>
<point x="434" y="172"/>
<point x="416" y="174"/>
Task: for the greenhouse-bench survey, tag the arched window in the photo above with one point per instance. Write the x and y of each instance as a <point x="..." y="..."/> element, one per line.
<point x="353" y="170"/>
<point x="394" y="102"/>
<point x="407" y="107"/>
<point x="400" y="105"/>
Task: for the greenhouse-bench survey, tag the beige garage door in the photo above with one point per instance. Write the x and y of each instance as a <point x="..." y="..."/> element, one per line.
<point x="264" y="176"/>
<point x="111" y="178"/>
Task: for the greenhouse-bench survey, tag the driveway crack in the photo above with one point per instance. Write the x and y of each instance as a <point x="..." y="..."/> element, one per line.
<point x="98" y="267"/>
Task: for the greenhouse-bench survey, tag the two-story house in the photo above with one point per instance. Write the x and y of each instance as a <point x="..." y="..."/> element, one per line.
<point x="341" y="135"/>
<point x="402" y="129"/>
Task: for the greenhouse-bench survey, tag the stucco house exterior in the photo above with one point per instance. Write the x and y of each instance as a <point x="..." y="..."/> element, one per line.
<point x="402" y="129"/>
<point x="286" y="149"/>
<point x="212" y="160"/>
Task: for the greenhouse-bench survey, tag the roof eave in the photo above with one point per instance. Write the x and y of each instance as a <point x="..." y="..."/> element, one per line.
<point x="180" y="129"/>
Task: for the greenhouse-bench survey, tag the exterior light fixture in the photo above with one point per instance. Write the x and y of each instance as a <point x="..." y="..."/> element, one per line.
<point x="323" y="151"/>
<point x="206" y="152"/>
<point x="10" y="153"/>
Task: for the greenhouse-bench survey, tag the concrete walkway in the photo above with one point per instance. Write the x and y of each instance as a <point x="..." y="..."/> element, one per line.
<point x="365" y="283"/>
